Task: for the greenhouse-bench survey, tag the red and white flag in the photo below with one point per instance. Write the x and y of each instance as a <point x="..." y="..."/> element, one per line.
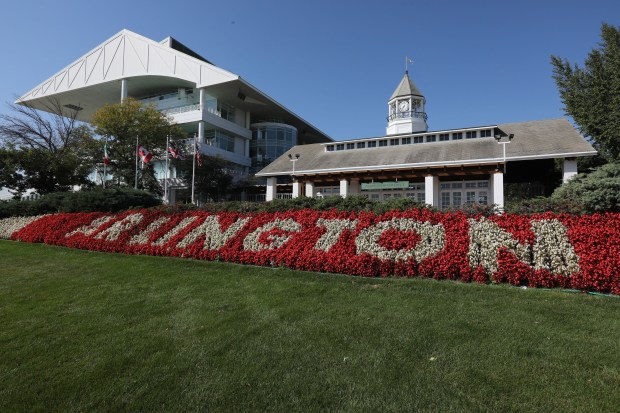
<point x="176" y="153"/>
<point x="198" y="156"/>
<point x="144" y="154"/>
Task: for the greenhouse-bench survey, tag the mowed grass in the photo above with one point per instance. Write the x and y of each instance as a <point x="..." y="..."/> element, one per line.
<point x="94" y="332"/>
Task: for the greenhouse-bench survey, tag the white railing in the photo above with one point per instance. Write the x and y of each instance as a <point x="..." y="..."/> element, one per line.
<point x="181" y="109"/>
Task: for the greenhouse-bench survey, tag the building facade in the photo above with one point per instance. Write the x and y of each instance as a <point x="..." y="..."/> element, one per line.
<point x="445" y="168"/>
<point x="231" y="118"/>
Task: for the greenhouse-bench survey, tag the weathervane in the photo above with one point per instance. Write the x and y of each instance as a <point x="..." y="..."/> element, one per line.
<point x="407" y="61"/>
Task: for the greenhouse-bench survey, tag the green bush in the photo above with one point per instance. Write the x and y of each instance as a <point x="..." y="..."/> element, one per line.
<point x="544" y="204"/>
<point x="96" y="200"/>
<point x="597" y="191"/>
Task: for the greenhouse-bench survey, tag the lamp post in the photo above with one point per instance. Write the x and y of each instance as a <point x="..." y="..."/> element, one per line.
<point x="498" y="138"/>
<point x="293" y="159"/>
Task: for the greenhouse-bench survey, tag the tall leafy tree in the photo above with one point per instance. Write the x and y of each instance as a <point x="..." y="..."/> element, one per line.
<point x="47" y="151"/>
<point x="591" y="95"/>
<point x="213" y="180"/>
<point x="121" y="125"/>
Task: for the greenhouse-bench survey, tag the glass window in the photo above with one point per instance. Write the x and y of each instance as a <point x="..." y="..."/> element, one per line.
<point x="383" y="142"/>
<point x="394" y="142"/>
<point x="418" y="139"/>
<point x="350" y="146"/>
<point x="330" y="148"/>
<point x="444" y="186"/>
<point x="361" y="145"/>
<point x="456" y="198"/>
<point x="457" y="135"/>
<point x="471" y="134"/>
<point x="445" y="200"/>
<point x="485" y="133"/>
<point x="406" y="141"/>
<point x="431" y="138"/>
<point x="482" y="197"/>
<point x="470" y="184"/>
<point x="470" y="197"/>
<point x="444" y="137"/>
<point x="483" y="184"/>
<point x="372" y="144"/>
<point x="340" y="147"/>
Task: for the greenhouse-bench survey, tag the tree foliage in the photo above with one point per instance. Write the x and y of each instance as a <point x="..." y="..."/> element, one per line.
<point x="597" y="191"/>
<point x="591" y="95"/>
<point x="213" y="180"/>
<point x="46" y="151"/>
<point x="121" y="124"/>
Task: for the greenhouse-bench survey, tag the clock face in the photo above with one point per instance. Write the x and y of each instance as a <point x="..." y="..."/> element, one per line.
<point x="403" y="106"/>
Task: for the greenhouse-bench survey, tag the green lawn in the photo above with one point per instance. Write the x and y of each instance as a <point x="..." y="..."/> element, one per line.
<point x="92" y="332"/>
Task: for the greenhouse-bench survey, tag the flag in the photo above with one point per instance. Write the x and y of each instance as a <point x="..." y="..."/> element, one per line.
<point x="198" y="157"/>
<point x="106" y="160"/>
<point x="176" y="153"/>
<point x="144" y="154"/>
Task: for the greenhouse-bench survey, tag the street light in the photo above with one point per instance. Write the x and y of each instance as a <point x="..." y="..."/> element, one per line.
<point x="293" y="159"/>
<point x="498" y="138"/>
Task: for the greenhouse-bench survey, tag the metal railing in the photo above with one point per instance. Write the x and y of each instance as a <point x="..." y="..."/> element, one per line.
<point x="181" y="109"/>
<point x="407" y="115"/>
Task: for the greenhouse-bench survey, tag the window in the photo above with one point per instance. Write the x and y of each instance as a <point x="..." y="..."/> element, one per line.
<point x="340" y="147"/>
<point x="406" y="141"/>
<point x="431" y="138"/>
<point x="445" y="200"/>
<point x="361" y="145"/>
<point x="394" y="142"/>
<point x="383" y="142"/>
<point x="457" y="135"/>
<point x="418" y="139"/>
<point x="350" y="146"/>
<point x="443" y="137"/>
<point x="485" y="133"/>
<point x="471" y="134"/>
<point x="372" y="144"/>
<point x="330" y="148"/>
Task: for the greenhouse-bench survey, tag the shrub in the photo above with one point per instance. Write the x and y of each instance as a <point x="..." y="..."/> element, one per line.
<point x="597" y="191"/>
<point x="96" y="200"/>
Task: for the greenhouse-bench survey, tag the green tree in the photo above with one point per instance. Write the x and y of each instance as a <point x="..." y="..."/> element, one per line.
<point x="121" y="124"/>
<point x="591" y="95"/>
<point x="213" y="180"/>
<point x="46" y="151"/>
<point x="597" y="191"/>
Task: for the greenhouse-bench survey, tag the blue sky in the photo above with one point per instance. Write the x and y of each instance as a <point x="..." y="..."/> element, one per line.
<point x="336" y="63"/>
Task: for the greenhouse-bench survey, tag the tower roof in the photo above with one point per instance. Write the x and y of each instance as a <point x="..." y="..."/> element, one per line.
<point x="406" y="87"/>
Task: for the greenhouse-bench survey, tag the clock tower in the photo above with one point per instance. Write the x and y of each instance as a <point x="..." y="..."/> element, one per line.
<point x="406" y="112"/>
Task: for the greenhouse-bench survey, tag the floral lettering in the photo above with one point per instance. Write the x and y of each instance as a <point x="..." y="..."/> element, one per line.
<point x="215" y="238"/>
<point x="335" y="228"/>
<point x="274" y="240"/>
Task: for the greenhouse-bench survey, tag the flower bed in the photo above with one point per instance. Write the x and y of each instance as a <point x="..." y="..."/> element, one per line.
<point x="545" y="250"/>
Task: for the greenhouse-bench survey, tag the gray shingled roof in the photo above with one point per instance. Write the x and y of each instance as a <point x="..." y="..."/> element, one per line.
<point x="406" y="87"/>
<point x="544" y="139"/>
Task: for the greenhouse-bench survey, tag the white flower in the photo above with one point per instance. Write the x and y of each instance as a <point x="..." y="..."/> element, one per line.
<point x="114" y="231"/>
<point x="215" y="238"/>
<point x="251" y="241"/>
<point x="143" y="237"/>
<point x="10" y="225"/>
<point x="92" y="227"/>
<point x="335" y="228"/>
<point x="174" y="231"/>
<point x="432" y="240"/>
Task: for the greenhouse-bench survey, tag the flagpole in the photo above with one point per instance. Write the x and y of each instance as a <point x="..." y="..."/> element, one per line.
<point x="194" y="168"/>
<point x="135" y="185"/>
<point x="105" y="153"/>
<point x="167" y="170"/>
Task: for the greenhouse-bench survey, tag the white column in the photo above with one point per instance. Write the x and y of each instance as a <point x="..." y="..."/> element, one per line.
<point x="296" y="189"/>
<point x="497" y="183"/>
<point x="431" y="190"/>
<point x="310" y="189"/>
<point x="123" y="89"/>
<point x="344" y="188"/>
<point x="272" y="189"/>
<point x="201" y="131"/>
<point x="354" y="187"/>
<point x="203" y="98"/>
<point x="570" y="169"/>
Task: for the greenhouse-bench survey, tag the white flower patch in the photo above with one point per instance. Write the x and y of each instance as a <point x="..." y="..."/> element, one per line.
<point x="13" y="224"/>
<point x="335" y="228"/>
<point x="485" y="240"/>
<point x="252" y="243"/>
<point x="115" y="230"/>
<point x="143" y="237"/>
<point x="552" y="248"/>
<point x="215" y="238"/>
<point x="174" y="231"/>
<point x="432" y="240"/>
<point x="90" y="228"/>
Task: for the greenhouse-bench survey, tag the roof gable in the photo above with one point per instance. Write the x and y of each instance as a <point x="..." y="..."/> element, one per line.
<point x="406" y="87"/>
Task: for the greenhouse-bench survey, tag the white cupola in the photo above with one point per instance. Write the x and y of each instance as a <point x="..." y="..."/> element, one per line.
<point x="406" y="113"/>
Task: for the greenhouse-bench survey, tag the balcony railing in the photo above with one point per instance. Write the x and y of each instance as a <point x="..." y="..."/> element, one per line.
<point x="181" y="109"/>
<point x="407" y="115"/>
